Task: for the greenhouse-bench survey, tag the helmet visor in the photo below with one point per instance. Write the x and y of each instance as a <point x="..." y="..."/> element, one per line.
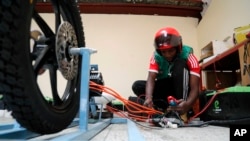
<point x="167" y="41"/>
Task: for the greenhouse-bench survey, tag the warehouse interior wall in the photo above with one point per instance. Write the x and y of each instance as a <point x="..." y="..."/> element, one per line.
<point x="124" y="43"/>
<point x="220" y="19"/>
<point x="218" y="23"/>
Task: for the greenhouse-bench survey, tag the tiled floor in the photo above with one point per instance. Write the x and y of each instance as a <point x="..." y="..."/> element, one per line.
<point x="119" y="132"/>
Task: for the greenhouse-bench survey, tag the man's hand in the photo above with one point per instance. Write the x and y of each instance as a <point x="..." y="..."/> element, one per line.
<point x="148" y="102"/>
<point x="182" y="107"/>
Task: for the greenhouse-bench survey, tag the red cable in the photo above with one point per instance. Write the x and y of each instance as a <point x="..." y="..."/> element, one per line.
<point x="206" y="107"/>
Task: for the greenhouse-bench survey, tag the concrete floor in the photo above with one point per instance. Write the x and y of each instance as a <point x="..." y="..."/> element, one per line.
<point x="119" y="132"/>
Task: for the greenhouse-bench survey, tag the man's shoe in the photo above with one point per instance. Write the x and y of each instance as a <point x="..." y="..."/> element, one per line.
<point x="184" y="118"/>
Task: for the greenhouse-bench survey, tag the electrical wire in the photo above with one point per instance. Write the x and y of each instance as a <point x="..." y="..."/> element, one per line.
<point x="207" y="104"/>
<point x="218" y="82"/>
<point x="130" y="117"/>
<point x="246" y="66"/>
<point x="139" y="113"/>
<point x="229" y="121"/>
<point x="205" y="107"/>
<point x="133" y="108"/>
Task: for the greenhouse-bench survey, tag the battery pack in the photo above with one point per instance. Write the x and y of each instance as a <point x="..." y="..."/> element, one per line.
<point x="231" y="105"/>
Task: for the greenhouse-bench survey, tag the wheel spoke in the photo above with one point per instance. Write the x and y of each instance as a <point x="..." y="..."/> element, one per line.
<point x="43" y="25"/>
<point x="40" y="60"/>
<point x="53" y="81"/>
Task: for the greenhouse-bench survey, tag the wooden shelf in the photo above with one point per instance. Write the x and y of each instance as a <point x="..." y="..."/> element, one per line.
<point x="225" y="69"/>
<point x="228" y="60"/>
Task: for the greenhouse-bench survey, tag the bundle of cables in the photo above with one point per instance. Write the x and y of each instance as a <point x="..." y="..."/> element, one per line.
<point x="140" y="113"/>
<point x="135" y="111"/>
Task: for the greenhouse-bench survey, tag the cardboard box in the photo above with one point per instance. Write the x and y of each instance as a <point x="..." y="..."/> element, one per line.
<point x="240" y="35"/>
<point x="213" y="48"/>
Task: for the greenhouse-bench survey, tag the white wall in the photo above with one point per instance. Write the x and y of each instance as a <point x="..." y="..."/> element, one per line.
<point x="125" y="44"/>
<point x="220" y="19"/>
<point x="219" y="22"/>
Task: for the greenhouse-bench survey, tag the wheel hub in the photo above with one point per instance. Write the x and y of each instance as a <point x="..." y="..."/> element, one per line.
<point x="65" y="40"/>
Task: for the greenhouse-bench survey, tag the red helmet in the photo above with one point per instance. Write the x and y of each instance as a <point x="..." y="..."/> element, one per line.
<point x="166" y="38"/>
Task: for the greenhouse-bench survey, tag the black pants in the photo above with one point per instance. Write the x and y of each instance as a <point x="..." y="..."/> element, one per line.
<point x="177" y="85"/>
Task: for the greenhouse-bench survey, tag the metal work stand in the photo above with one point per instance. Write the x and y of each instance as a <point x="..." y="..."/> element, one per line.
<point x="86" y="131"/>
<point x="84" y="90"/>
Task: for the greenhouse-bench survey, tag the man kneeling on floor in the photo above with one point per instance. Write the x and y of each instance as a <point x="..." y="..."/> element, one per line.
<point x="173" y="71"/>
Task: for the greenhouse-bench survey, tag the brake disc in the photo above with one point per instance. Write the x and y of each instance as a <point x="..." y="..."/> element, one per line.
<point x="65" y="40"/>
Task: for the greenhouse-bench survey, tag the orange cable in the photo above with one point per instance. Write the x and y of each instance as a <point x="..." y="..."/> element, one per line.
<point x="132" y="107"/>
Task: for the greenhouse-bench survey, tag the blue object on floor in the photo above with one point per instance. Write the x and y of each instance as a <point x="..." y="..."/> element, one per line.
<point x="86" y="131"/>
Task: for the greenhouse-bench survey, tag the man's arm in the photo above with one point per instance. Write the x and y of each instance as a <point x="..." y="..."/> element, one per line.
<point x="194" y="91"/>
<point x="185" y="106"/>
<point x="194" y="83"/>
<point x="149" y="89"/>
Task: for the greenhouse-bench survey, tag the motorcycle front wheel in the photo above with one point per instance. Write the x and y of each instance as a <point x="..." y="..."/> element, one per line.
<point x="39" y="78"/>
